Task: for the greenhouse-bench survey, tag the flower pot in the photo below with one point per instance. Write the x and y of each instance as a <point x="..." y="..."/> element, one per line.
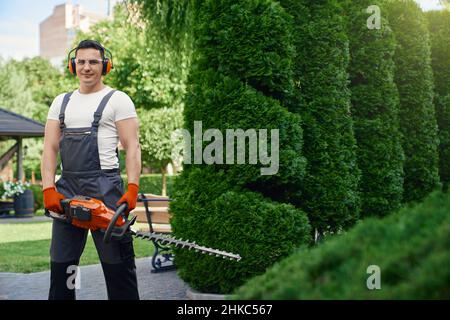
<point x="24" y="204"/>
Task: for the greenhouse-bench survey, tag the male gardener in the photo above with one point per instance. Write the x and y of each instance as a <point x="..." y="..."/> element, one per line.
<point x="85" y="127"/>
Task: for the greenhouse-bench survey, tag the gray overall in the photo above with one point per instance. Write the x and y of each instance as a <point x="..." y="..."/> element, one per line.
<point x="82" y="175"/>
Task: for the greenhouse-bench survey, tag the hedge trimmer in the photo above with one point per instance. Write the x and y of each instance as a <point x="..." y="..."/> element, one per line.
<point x="93" y="214"/>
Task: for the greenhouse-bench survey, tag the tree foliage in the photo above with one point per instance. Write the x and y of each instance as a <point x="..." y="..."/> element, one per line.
<point x="414" y="80"/>
<point x="28" y="87"/>
<point x="410" y="248"/>
<point x="374" y="100"/>
<point x="240" y="78"/>
<point x="439" y="27"/>
<point x="330" y="191"/>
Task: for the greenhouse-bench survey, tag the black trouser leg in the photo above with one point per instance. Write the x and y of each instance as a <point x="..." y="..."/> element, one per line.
<point x="66" y="248"/>
<point x="121" y="280"/>
<point x="119" y="268"/>
<point x="61" y="287"/>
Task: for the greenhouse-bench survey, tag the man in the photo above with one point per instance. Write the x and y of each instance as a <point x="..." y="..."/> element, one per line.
<point x="85" y="127"/>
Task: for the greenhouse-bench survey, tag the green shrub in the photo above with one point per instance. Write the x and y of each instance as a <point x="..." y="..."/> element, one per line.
<point x="410" y="247"/>
<point x="221" y="216"/>
<point x="250" y="41"/>
<point x="374" y="100"/>
<point x="439" y="27"/>
<point x="414" y="80"/>
<point x="241" y="78"/>
<point x="329" y="193"/>
<point x="240" y="106"/>
<point x="38" y="196"/>
<point x="2" y="189"/>
<point x="442" y="104"/>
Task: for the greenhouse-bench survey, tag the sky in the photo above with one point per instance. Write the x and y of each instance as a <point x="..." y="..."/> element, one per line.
<point x="19" y="22"/>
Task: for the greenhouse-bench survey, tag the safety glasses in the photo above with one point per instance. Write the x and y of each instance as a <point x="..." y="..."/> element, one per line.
<point x="92" y="62"/>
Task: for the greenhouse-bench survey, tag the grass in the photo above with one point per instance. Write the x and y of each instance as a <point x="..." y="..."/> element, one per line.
<point x="39" y="212"/>
<point x="16" y="232"/>
<point x="24" y="248"/>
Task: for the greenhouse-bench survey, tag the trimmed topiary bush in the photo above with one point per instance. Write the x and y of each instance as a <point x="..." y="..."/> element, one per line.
<point x="329" y="193"/>
<point x="442" y="104"/>
<point x="410" y="247"/>
<point x="213" y="213"/>
<point x="414" y="80"/>
<point x="439" y="27"/>
<point x="374" y="99"/>
<point x="241" y="78"/>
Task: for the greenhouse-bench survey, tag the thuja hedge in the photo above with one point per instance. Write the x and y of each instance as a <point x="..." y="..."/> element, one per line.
<point x="410" y="247"/>
<point x="374" y="100"/>
<point x="330" y="191"/>
<point x="442" y="104"/>
<point x="414" y="80"/>
<point x="241" y="78"/>
<point x="210" y="210"/>
<point x="439" y="27"/>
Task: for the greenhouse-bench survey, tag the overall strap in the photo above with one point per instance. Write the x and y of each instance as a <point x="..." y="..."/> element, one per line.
<point x="63" y="109"/>
<point x="101" y="107"/>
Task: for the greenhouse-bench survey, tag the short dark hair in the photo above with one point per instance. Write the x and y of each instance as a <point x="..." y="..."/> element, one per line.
<point x="86" y="44"/>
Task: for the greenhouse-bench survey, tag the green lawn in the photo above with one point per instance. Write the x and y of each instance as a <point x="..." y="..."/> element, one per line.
<point x="24" y="247"/>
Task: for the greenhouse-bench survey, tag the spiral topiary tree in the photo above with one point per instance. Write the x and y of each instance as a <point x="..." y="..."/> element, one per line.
<point x="330" y="191"/>
<point x="439" y="27"/>
<point x="414" y="80"/>
<point x="240" y="78"/>
<point x="374" y="100"/>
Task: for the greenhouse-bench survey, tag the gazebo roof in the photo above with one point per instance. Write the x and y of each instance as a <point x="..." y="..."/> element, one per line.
<point x="15" y="125"/>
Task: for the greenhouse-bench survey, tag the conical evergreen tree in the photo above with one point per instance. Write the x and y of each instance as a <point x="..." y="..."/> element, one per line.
<point x="439" y="27"/>
<point x="330" y="192"/>
<point x="241" y="78"/>
<point x="414" y="80"/>
<point x="374" y="99"/>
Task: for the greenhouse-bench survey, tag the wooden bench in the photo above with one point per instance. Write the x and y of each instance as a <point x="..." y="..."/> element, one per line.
<point x="154" y="211"/>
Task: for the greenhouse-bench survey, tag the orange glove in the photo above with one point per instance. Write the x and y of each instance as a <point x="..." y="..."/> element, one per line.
<point x="52" y="200"/>
<point x="130" y="197"/>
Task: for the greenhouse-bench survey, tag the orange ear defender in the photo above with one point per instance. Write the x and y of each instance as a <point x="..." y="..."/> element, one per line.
<point x="71" y="65"/>
<point x="107" y="62"/>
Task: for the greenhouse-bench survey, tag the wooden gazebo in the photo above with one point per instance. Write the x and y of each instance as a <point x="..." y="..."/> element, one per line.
<point x="15" y="126"/>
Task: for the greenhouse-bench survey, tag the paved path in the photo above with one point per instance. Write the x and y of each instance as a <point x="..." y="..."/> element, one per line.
<point x="12" y="219"/>
<point x="152" y="286"/>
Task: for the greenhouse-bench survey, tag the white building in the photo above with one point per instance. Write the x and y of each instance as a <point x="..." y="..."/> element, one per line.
<point x="56" y="33"/>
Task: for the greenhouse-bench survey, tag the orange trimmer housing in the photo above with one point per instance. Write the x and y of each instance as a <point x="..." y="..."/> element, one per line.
<point x="90" y="213"/>
<point x="100" y="214"/>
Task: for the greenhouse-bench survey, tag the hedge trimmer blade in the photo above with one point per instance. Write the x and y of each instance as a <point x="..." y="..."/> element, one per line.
<point x="164" y="239"/>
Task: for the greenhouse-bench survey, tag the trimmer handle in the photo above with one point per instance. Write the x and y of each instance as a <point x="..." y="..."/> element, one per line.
<point x="64" y="216"/>
<point x="109" y="233"/>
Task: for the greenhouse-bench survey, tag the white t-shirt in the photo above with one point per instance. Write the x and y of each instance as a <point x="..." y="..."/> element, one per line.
<point x="80" y="113"/>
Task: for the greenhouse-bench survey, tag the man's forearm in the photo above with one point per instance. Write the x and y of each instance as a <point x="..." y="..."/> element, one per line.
<point x="133" y="163"/>
<point x="48" y="169"/>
